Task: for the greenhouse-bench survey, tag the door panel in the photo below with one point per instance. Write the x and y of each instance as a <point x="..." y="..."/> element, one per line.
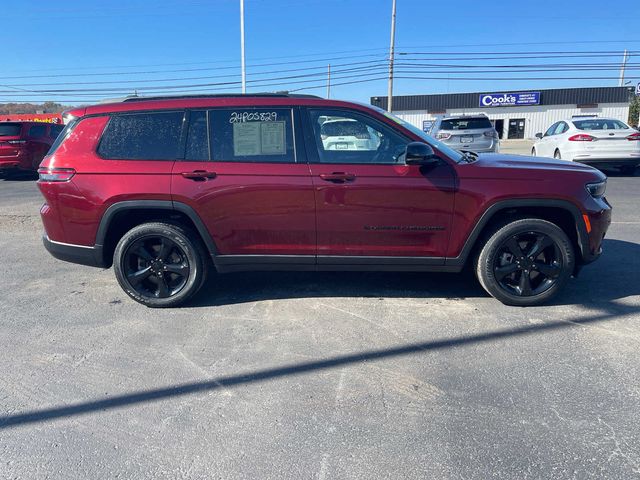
<point x="379" y="208"/>
<point x="385" y="210"/>
<point x="252" y="197"/>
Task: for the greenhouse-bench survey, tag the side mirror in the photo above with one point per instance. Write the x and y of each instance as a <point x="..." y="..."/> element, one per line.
<point x="418" y="153"/>
<point x="539" y="135"/>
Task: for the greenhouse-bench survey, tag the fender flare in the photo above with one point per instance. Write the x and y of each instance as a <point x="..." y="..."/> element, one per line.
<point x="130" y="205"/>
<point x="581" y="229"/>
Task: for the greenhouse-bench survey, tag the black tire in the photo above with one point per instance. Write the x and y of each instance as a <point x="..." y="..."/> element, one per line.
<point x="160" y="264"/>
<point x="533" y="152"/>
<point x="557" y="155"/>
<point x="525" y="262"/>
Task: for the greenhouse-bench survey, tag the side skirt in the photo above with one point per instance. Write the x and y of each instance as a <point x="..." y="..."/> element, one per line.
<point x="247" y="263"/>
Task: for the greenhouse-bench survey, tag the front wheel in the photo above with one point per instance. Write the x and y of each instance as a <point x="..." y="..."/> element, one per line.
<point x="160" y="264"/>
<point x="525" y="262"/>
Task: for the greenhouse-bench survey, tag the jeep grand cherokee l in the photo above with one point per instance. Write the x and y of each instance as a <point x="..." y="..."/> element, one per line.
<point x="166" y="189"/>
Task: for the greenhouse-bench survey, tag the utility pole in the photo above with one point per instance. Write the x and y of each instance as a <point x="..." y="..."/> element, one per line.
<point x="391" y="55"/>
<point x="329" y="81"/>
<point x="244" y="73"/>
<point x="625" y="57"/>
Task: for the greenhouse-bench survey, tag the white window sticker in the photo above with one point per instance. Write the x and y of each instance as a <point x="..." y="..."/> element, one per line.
<point x="259" y="138"/>
<point x="272" y="138"/>
<point x="246" y="139"/>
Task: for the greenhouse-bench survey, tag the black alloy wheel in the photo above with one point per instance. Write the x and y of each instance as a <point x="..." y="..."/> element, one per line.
<point x="528" y="264"/>
<point x="156" y="267"/>
<point x="160" y="264"/>
<point x="525" y="261"/>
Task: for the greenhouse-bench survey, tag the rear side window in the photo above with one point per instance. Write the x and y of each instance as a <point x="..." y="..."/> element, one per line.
<point x="143" y="136"/>
<point x="37" y="131"/>
<point x="465" y="123"/>
<point x="252" y="135"/>
<point x="197" y="137"/>
<point x="10" y="129"/>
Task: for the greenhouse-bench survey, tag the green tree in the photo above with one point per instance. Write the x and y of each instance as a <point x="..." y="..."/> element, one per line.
<point x="634" y="110"/>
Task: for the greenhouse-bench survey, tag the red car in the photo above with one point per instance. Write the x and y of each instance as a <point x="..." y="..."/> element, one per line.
<point x="23" y="145"/>
<point x="166" y="189"/>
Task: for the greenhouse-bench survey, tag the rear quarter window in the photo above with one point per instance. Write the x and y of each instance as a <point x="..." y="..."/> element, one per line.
<point x="143" y="136"/>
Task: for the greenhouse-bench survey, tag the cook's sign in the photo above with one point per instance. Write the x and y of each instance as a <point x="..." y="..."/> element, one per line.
<point x="509" y="99"/>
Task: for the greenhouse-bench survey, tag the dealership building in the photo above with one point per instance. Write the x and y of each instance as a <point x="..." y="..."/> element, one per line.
<point x="515" y="113"/>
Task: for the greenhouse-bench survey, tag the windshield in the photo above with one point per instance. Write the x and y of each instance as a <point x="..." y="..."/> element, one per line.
<point x="10" y="129"/>
<point x="465" y="123"/>
<point x="448" y="151"/>
<point x="600" y="124"/>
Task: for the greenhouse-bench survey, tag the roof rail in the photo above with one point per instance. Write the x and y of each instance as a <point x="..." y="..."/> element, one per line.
<point x="216" y="95"/>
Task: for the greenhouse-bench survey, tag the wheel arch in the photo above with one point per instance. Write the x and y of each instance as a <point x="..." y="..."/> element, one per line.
<point x="561" y="212"/>
<point x="120" y="217"/>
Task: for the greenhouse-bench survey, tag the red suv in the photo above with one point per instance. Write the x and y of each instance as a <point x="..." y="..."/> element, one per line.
<point x="23" y="145"/>
<point x="164" y="189"/>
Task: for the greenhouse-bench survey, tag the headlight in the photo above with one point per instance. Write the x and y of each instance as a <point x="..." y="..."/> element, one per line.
<point x="596" y="189"/>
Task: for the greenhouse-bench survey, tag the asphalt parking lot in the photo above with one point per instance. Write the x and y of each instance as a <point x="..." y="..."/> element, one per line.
<point x="326" y="375"/>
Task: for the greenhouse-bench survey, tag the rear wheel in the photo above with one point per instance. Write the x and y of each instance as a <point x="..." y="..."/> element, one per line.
<point x="160" y="264"/>
<point x="525" y="262"/>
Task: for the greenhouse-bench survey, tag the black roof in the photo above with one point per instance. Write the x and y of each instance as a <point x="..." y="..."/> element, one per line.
<point x="557" y="96"/>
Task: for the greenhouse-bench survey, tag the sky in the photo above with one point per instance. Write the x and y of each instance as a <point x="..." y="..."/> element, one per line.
<point x="93" y="49"/>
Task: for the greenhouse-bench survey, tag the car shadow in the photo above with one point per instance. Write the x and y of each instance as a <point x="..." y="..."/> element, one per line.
<point x="605" y="280"/>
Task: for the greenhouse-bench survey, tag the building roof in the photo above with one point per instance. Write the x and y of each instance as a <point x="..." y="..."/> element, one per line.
<point x="556" y="96"/>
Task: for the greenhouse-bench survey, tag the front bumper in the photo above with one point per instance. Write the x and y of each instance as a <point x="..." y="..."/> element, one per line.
<point x="91" y="256"/>
<point x="596" y="226"/>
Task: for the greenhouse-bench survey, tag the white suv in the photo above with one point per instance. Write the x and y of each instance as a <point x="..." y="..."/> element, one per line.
<point x="600" y="142"/>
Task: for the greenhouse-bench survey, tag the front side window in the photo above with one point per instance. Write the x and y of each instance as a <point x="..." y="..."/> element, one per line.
<point x="252" y="135"/>
<point x="551" y="130"/>
<point x="143" y="136"/>
<point x="350" y="137"/>
<point x="561" y="128"/>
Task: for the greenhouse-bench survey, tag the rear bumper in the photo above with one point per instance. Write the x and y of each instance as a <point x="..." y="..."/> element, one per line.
<point x="9" y="164"/>
<point x="91" y="256"/>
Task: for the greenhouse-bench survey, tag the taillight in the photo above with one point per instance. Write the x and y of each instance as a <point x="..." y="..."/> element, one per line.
<point x="581" y="137"/>
<point x="634" y="137"/>
<point x="443" y="136"/>
<point x="491" y="134"/>
<point x="16" y="142"/>
<point x="55" y="174"/>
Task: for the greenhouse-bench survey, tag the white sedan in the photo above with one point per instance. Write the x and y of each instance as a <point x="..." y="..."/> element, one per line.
<point x="600" y="142"/>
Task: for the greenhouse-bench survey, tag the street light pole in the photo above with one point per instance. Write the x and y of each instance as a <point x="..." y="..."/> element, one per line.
<point x="391" y="56"/>
<point x="244" y="73"/>
<point x="625" y="57"/>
